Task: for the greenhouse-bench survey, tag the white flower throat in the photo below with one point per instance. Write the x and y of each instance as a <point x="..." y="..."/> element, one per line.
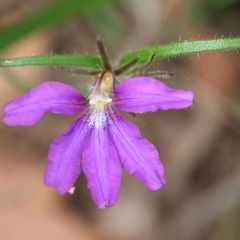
<point x="100" y="98"/>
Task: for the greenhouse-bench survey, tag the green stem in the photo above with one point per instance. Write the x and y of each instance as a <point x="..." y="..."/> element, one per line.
<point x="56" y="60"/>
<point x="182" y="48"/>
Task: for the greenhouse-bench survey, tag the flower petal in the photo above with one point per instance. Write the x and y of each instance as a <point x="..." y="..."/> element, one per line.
<point x="138" y="156"/>
<point x="102" y="168"/>
<point x="54" y="97"/>
<point x="144" y="94"/>
<point x="64" y="157"/>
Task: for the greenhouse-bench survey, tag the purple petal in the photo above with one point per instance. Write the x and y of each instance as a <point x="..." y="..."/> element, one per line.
<point x="138" y="156"/>
<point x="64" y="157"/>
<point x="144" y="94"/>
<point x="102" y="168"/>
<point x="54" y="97"/>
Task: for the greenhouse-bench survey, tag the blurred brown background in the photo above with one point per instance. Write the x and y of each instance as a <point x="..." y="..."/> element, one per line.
<point x="199" y="146"/>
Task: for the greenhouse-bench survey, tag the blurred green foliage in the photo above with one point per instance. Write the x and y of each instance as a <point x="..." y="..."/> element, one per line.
<point x="49" y="16"/>
<point x="222" y="4"/>
<point x="108" y="21"/>
<point x="220" y="13"/>
<point x="228" y="225"/>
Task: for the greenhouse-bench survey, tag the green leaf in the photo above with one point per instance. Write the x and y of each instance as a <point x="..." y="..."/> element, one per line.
<point x="182" y="48"/>
<point x="49" y="16"/>
<point x="56" y="60"/>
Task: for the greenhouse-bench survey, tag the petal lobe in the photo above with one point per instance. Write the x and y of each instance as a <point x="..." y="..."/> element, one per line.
<point x="144" y="94"/>
<point x="53" y="97"/>
<point x="64" y="157"/>
<point x="138" y="156"/>
<point x="102" y="168"/>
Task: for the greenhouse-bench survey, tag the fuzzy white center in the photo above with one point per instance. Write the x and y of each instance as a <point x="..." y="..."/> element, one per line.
<point x="98" y="106"/>
<point x="99" y="100"/>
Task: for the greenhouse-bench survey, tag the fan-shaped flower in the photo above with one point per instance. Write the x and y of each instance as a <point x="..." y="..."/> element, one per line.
<point x="100" y="143"/>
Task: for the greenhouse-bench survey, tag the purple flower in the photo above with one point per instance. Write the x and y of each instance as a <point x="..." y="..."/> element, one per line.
<point x="100" y="143"/>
